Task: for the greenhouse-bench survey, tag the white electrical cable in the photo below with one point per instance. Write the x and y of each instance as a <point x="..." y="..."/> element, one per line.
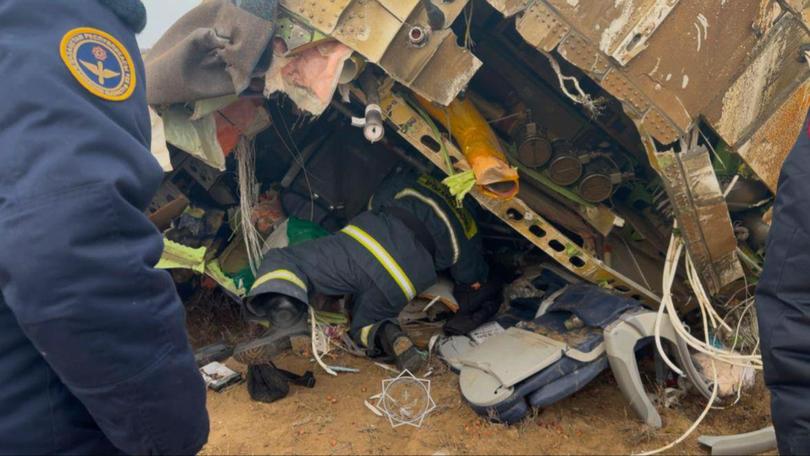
<point x="593" y="105"/>
<point x="694" y="425"/>
<point x="719" y="354"/>
<point x="315" y="352"/>
<point x="710" y="316"/>
<point x="731" y="185"/>
<point x="248" y="198"/>
<point x="670" y="268"/>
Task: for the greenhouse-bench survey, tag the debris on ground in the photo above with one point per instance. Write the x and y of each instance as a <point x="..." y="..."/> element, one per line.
<point x="219" y="376"/>
<point x="581" y="153"/>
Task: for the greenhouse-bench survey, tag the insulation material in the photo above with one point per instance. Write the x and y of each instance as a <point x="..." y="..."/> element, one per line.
<point x="437" y="69"/>
<point x="731" y="379"/>
<point x="479" y="145"/>
<point x="195" y="137"/>
<point x="213" y="136"/>
<point x="179" y="256"/>
<point x="309" y="77"/>
<point x="245" y="117"/>
<point x="208" y="106"/>
<point x="158" y="147"/>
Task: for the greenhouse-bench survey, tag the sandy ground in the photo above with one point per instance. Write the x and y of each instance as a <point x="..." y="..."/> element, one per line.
<point x="332" y="419"/>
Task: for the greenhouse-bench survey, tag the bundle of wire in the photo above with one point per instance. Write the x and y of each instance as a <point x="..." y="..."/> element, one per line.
<point x="711" y="320"/>
<point x="248" y="198"/>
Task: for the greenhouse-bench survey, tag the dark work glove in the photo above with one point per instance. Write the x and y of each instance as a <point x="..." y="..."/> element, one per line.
<point x="470" y="300"/>
<point x="265" y="383"/>
<point x="476" y="307"/>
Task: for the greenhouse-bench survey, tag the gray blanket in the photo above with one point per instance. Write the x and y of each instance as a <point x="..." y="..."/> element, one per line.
<point x="214" y="50"/>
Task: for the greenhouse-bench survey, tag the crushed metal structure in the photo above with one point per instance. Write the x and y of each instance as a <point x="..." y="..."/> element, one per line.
<point x="670" y="88"/>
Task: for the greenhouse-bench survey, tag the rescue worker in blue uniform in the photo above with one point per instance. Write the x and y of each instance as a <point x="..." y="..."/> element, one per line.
<point x="385" y="257"/>
<point x="94" y="356"/>
<point x="783" y="302"/>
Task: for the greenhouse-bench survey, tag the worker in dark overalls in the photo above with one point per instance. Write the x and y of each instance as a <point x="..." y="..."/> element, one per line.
<point x="385" y="257"/>
<point x="783" y="302"/>
<point x="94" y="357"/>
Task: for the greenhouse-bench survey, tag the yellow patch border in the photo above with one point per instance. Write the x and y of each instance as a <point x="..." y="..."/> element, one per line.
<point x="80" y="76"/>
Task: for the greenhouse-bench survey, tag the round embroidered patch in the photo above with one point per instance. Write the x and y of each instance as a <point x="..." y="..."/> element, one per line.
<point x="99" y="62"/>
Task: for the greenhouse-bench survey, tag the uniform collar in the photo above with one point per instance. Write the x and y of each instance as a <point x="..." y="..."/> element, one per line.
<point x="131" y="12"/>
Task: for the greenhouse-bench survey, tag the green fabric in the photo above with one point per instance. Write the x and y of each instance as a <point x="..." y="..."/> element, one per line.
<point x="460" y="185"/>
<point x="214" y="271"/>
<point x="179" y="256"/>
<point x="244" y="278"/>
<point x="299" y="231"/>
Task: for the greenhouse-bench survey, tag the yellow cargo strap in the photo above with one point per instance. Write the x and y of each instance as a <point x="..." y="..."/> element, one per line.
<point x="281" y="274"/>
<point x="409" y="192"/>
<point x="385" y="259"/>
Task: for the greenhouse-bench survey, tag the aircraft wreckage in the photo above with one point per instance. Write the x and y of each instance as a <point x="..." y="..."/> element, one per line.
<point x="600" y="139"/>
<point x="602" y="122"/>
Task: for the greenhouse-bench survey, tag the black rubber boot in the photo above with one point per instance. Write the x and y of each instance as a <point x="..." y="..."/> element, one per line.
<point x="286" y="318"/>
<point x="397" y="344"/>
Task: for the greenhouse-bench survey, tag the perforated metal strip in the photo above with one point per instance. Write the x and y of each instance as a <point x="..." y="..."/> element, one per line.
<point x="414" y="129"/>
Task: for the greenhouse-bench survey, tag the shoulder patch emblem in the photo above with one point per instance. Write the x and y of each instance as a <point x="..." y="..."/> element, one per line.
<point x="99" y="62"/>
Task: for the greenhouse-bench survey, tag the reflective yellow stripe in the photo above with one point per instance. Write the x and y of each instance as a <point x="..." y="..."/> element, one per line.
<point x="281" y="274"/>
<point x="385" y="259"/>
<point x="364" y="335"/>
<point x="439" y="213"/>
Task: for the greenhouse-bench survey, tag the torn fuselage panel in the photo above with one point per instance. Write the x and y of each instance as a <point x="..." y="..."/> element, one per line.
<point x="735" y="65"/>
<point x="702" y="214"/>
<point x="686" y="59"/>
<point x="384" y="31"/>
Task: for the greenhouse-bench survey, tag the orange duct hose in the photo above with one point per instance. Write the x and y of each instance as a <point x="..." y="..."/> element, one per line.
<point x="478" y="144"/>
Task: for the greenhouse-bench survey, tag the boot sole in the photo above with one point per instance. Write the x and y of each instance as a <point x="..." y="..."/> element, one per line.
<point x="411" y="360"/>
<point x="407" y="355"/>
<point x="259" y="351"/>
<point x="264" y="349"/>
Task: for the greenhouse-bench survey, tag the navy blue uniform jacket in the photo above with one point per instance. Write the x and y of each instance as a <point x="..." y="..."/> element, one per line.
<point x="783" y="302"/>
<point x="94" y="357"/>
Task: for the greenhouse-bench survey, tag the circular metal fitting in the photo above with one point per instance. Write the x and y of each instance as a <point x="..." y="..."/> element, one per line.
<point x="564" y="169"/>
<point x="418" y="36"/>
<point x="534" y="151"/>
<point x="596" y="187"/>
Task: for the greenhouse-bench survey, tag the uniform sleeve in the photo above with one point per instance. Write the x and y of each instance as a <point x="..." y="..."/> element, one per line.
<point x="84" y="291"/>
<point x="77" y="258"/>
<point x="470" y="268"/>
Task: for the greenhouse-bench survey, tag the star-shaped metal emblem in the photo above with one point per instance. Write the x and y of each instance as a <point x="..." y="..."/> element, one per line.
<point x="406" y="399"/>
